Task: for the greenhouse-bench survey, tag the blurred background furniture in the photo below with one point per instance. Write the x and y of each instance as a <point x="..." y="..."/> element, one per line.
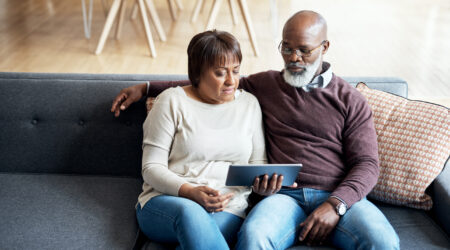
<point x="172" y="7"/>
<point x="119" y="6"/>
<point x="217" y="4"/>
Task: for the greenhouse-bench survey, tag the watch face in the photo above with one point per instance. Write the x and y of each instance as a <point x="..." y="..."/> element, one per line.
<point x="341" y="209"/>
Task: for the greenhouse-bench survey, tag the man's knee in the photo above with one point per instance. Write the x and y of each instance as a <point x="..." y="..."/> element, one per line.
<point x="367" y="227"/>
<point x="382" y="240"/>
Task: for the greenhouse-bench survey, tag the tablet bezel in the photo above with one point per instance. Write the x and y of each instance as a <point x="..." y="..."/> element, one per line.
<point x="244" y="174"/>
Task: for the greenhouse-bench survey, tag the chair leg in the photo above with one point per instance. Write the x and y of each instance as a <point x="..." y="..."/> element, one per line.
<point x="134" y="11"/>
<point x="213" y="14"/>
<point x="87" y="18"/>
<point x="147" y="28"/>
<point x="155" y="18"/>
<point x="109" y="21"/>
<point x="179" y="4"/>
<point x="248" y="24"/>
<point x="123" y="7"/>
<point x="173" y="10"/>
<point x="105" y="7"/>
<point x="233" y="11"/>
<point x="197" y="8"/>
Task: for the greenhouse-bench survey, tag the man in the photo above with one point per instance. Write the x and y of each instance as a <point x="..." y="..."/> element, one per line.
<point x="313" y="117"/>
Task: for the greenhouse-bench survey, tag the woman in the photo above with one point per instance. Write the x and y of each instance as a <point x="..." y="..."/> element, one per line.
<point x="191" y="136"/>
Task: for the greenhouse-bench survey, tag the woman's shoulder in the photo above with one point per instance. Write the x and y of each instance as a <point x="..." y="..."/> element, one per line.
<point x="247" y="97"/>
<point x="171" y="94"/>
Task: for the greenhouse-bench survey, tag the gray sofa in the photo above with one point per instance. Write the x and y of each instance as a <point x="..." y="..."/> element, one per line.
<point x="70" y="171"/>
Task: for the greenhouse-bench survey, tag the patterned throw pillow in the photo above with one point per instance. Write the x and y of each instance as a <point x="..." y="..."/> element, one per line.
<point x="413" y="146"/>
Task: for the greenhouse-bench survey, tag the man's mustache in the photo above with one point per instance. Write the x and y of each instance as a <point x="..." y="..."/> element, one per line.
<point x="295" y="64"/>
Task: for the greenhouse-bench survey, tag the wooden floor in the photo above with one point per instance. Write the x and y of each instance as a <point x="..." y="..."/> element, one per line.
<point x="404" y="38"/>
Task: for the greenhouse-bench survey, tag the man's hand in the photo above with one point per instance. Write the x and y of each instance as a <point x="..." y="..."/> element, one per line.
<point x="265" y="188"/>
<point x="207" y="197"/>
<point x="126" y="97"/>
<point x="319" y="224"/>
<point x="149" y="103"/>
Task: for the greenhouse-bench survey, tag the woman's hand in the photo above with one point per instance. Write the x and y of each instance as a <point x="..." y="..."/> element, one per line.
<point x="128" y="96"/>
<point x="207" y="197"/>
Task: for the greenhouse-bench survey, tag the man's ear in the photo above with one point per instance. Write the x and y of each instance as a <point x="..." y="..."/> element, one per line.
<point x="326" y="45"/>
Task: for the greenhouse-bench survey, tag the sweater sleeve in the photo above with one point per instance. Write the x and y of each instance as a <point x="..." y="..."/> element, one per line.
<point x="159" y="130"/>
<point x="259" y="147"/>
<point x="360" y="154"/>
<point x="156" y="87"/>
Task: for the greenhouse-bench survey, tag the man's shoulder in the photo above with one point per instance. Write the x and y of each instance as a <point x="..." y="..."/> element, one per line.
<point x="345" y="87"/>
<point x="261" y="82"/>
<point x="348" y="95"/>
<point x="264" y="75"/>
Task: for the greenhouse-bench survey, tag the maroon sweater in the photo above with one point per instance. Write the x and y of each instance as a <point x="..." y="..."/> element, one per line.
<point x="329" y="130"/>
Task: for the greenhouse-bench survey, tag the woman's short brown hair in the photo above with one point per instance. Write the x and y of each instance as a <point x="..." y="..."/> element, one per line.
<point x="208" y="49"/>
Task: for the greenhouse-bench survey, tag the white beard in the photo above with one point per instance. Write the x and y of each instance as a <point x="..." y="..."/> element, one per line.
<point x="303" y="78"/>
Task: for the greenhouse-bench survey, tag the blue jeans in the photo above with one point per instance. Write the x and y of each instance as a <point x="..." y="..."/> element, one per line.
<point x="274" y="223"/>
<point x="170" y="219"/>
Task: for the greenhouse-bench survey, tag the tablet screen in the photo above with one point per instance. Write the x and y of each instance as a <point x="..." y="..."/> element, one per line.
<point x="245" y="174"/>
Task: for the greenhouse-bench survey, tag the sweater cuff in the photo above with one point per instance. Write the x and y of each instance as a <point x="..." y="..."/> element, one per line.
<point x="148" y="87"/>
<point x="173" y="189"/>
<point x="347" y="195"/>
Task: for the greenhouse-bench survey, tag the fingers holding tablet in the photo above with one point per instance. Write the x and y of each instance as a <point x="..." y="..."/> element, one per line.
<point x="263" y="186"/>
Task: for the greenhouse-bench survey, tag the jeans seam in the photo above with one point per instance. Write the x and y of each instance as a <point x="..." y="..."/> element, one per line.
<point x="287" y="236"/>
<point x="159" y="213"/>
<point x="306" y="201"/>
<point x="348" y="233"/>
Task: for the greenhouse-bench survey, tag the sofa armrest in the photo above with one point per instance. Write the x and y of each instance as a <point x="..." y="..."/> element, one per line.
<point x="441" y="197"/>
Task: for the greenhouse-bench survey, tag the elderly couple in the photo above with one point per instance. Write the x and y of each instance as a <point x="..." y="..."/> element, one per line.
<point x="311" y="116"/>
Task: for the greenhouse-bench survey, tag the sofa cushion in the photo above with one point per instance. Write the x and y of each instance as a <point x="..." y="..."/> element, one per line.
<point x="67" y="212"/>
<point x="415" y="228"/>
<point x="441" y="198"/>
<point x="413" y="145"/>
<point x="66" y="127"/>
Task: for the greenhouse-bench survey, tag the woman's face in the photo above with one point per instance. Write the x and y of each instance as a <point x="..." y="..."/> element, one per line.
<point x="218" y="83"/>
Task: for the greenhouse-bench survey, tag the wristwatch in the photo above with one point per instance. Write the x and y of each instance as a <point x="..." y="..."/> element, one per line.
<point x="341" y="207"/>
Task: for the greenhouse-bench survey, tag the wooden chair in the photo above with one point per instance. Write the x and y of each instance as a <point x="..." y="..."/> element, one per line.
<point x="119" y="6"/>
<point x="172" y="7"/>
<point x="215" y="10"/>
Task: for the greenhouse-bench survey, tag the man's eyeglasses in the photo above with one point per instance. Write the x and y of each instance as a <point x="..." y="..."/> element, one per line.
<point x="299" y="52"/>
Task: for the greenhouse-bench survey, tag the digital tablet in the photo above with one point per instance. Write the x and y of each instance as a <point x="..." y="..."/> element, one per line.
<point x="244" y="175"/>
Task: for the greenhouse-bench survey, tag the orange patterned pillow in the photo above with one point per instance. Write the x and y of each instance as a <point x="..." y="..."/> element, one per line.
<point x="413" y="146"/>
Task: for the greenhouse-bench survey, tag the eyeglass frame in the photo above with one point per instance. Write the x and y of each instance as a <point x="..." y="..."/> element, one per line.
<point x="299" y="52"/>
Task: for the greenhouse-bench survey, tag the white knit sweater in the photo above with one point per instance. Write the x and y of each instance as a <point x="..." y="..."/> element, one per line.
<point x="187" y="141"/>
